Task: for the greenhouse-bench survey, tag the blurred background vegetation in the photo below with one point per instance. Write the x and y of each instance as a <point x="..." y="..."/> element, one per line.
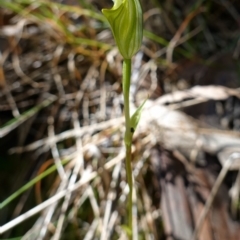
<point x="60" y="87"/>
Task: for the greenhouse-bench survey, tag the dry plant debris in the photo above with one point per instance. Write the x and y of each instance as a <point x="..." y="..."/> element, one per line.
<point x="61" y="122"/>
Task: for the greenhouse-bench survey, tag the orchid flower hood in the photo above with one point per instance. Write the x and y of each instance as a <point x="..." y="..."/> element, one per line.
<point x="126" y="21"/>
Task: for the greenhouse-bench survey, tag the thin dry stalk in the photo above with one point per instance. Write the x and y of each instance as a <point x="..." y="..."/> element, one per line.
<point x="92" y="230"/>
<point x="112" y="222"/>
<point x="77" y="169"/>
<point x="110" y="198"/>
<point x="50" y="212"/>
<point x="117" y="122"/>
<point x="179" y="32"/>
<point x="234" y="193"/>
<point x="55" y="72"/>
<point x="54" y="149"/>
<point x="213" y="193"/>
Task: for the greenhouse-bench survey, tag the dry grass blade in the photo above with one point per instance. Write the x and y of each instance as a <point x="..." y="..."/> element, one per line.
<point x="69" y="134"/>
<point x="54" y="150"/>
<point x="105" y="233"/>
<point x="87" y="177"/>
<point x="178" y="34"/>
<point x="202" y="217"/>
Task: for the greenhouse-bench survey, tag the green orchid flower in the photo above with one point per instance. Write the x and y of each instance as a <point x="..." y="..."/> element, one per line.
<point x="126" y="21"/>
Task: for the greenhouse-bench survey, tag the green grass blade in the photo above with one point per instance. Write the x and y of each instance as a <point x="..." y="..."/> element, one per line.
<point x="12" y="124"/>
<point x="155" y="38"/>
<point x="30" y="184"/>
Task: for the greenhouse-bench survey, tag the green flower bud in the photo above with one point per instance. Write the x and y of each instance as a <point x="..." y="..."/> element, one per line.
<point x="126" y="21"/>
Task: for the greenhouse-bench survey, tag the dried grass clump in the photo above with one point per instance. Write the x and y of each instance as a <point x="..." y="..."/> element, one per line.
<point x="61" y="123"/>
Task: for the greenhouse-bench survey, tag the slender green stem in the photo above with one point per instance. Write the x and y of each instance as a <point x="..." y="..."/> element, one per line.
<point x="126" y="89"/>
<point x="128" y="136"/>
<point x="130" y="184"/>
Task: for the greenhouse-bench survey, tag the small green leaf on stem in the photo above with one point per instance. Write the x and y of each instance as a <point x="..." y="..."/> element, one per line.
<point x="136" y="117"/>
